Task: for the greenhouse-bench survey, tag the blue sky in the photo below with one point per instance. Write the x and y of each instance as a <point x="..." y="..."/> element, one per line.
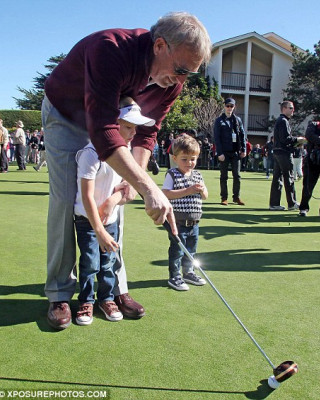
<point x="33" y="30"/>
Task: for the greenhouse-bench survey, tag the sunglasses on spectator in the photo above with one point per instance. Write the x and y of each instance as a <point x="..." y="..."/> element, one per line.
<point x="229" y="105"/>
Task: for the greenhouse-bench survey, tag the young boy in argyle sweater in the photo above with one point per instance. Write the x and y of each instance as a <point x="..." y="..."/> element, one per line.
<point x="185" y="188"/>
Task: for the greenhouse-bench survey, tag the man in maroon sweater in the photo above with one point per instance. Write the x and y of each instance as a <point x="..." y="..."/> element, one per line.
<point x="82" y="104"/>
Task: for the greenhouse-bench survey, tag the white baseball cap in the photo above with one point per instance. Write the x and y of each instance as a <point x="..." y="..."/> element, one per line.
<point x="132" y="114"/>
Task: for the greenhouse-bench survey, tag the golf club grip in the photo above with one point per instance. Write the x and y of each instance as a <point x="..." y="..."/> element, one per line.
<point x="168" y="229"/>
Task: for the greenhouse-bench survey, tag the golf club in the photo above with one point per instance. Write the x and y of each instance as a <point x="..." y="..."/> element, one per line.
<point x="280" y="373"/>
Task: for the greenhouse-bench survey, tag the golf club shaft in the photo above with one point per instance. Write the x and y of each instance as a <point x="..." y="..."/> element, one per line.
<point x="186" y="252"/>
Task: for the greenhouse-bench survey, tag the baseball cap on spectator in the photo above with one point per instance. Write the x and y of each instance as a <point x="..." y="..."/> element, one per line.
<point x="230" y="100"/>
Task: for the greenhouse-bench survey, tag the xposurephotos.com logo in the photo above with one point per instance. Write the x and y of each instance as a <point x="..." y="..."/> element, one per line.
<point x="54" y="394"/>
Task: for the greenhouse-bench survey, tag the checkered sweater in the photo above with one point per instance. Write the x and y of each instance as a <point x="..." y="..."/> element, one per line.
<point x="188" y="207"/>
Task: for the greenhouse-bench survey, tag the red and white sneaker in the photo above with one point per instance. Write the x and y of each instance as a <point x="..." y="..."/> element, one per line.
<point x="85" y="314"/>
<point x="111" y="311"/>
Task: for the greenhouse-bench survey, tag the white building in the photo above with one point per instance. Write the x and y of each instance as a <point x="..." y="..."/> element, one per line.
<point x="253" y="69"/>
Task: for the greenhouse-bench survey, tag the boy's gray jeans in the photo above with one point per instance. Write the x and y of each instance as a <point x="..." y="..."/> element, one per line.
<point x="62" y="140"/>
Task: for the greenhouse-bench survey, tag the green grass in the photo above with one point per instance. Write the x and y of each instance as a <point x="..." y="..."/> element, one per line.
<point x="188" y="346"/>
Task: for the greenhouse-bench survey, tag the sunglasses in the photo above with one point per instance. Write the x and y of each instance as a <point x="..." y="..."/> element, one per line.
<point x="183" y="71"/>
<point x="180" y="70"/>
<point x="229" y="105"/>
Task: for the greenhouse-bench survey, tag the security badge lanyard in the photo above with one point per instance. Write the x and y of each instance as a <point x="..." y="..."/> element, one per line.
<point x="234" y="135"/>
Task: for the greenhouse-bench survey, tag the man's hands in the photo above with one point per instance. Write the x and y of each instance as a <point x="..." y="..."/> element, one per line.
<point x="160" y="209"/>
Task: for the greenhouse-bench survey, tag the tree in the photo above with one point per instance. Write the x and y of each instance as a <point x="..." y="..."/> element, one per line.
<point x="206" y="112"/>
<point x="197" y="107"/>
<point x="33" y="98"/>
<point x="180" y="116"/>
<point x="304" y="84"/>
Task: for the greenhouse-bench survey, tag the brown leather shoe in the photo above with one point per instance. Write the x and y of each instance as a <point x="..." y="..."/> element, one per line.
<point x="129" y="307"/>
<point x="59" y="315"/>
<point x="224" y="202"/>
<point x="238" y="201"/>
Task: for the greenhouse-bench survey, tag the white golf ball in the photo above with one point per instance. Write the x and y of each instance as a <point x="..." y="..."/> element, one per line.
<point x="273" y="383"/>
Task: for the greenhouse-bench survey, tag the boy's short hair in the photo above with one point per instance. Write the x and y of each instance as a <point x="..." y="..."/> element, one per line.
<point x="186" y="144"/>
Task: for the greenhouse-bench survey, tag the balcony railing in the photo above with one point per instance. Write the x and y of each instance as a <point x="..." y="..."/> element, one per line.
<point x="260" y="83"/>
<point x="237" y="81"/>
<point x="258" y="123"/>
<point x="233" y="80"/>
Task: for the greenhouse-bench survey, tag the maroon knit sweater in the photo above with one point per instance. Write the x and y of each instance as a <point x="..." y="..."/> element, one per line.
<point x="86" y="86"/>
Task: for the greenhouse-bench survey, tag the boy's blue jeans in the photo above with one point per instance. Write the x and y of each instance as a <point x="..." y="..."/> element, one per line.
<point x="93" y="262"/>
<point x="189" y="237"/>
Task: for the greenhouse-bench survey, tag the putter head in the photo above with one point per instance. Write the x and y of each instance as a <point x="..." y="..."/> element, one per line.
<point x="285" y="370"/>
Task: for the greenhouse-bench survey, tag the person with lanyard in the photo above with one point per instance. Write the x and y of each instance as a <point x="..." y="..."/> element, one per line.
<point x="230" y="141"/>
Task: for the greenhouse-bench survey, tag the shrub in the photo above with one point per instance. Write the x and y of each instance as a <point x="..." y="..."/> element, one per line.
<point x="30" y="119"/>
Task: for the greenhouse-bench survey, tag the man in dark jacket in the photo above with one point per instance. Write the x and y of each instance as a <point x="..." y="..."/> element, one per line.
<point x="283" y="148"/>
<point x="229" y="137"/>
<point x="311" y="166"/>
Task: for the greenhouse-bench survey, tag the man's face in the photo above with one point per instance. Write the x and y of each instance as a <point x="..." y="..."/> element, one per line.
<point x="170" y="66"/>
<point x="288" y="110"/>
<point x="228" y="109"/>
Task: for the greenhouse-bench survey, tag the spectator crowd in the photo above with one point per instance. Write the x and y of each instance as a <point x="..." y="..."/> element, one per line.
<point x="21" y="146"/>
<point x="259" y="156"/>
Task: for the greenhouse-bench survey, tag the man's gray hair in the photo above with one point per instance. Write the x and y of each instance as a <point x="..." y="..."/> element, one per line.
<point x="178" y="28"/>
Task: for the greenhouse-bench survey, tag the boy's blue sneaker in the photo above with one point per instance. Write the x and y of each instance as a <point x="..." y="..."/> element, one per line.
<point x="194" y="279"/>
<point x="178" y="283"/>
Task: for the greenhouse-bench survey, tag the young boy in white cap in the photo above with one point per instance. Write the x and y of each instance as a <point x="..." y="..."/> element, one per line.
<point x="100" y="193"/>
